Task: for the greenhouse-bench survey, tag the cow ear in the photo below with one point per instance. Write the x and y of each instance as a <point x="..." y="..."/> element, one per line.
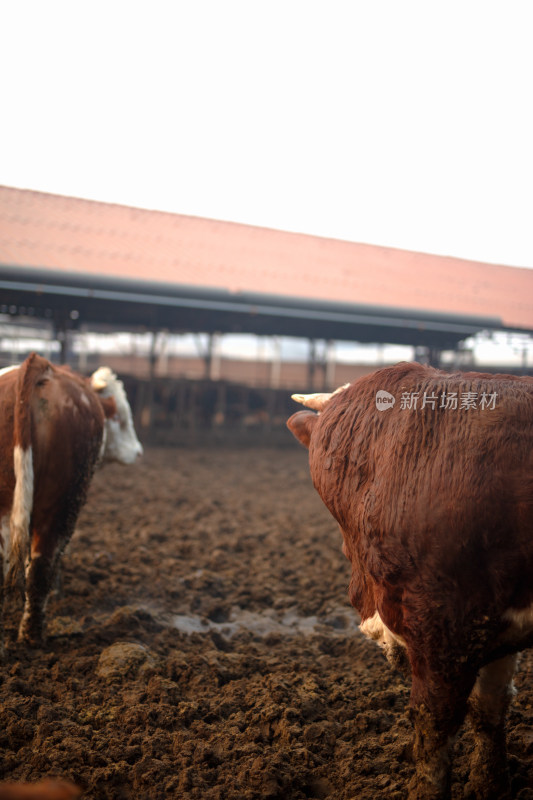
<point x="109" y="406"/>
<point x="301" y="425"/>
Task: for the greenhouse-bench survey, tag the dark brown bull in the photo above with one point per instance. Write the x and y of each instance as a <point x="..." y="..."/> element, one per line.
<point x="54" y="427"/>
<point x="430" y="477"/>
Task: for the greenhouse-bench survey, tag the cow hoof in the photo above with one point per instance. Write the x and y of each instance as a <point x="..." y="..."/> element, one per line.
<point x="489" y="775"/>
<point x="30" y="642"/>
<point x="486" y="788"/>
<point x="30" y="638"/>
<point x="420" y="788"/>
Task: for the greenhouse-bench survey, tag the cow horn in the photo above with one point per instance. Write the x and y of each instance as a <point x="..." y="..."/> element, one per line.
<point x="318" y="400"/>
<point x="315" y="401"/>
<point x="99" y="379"/>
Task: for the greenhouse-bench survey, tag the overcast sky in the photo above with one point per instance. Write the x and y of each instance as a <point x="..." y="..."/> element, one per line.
<point x="405" y="123"/>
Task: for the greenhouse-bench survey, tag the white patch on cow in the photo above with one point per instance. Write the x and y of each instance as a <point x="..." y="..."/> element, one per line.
<point x="121" y="443"/>
<point x="22" y="498"/>
<point x="375" y="629"/>
<point x="103" y="445"/>
<point x="85" y="399"/>
<point x="8" y="369"/>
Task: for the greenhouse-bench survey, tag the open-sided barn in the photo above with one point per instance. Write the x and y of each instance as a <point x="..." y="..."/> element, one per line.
<point x="82" y="265"/>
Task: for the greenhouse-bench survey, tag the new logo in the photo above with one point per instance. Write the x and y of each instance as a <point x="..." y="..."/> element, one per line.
<point x="384" y="400"/>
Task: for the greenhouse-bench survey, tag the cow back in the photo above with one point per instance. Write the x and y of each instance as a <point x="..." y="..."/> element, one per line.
<point x="429" y="495"/>
<point x="67" y="424"/>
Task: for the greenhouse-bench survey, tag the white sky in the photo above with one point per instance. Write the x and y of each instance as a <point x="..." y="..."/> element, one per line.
<point x="405" y="123"/>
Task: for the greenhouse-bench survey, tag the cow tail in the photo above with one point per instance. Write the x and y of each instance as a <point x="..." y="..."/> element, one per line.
<point x="30" y="372"/>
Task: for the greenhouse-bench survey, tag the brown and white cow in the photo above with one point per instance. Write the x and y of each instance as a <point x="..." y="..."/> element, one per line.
<point x="430" y="477"/>
<point x="55" y="426"/>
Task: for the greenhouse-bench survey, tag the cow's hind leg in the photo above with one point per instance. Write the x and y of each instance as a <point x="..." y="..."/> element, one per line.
<point x="4" y="545"/>
<point x="438" y="709"/>
<point x="489" y="701"/>
<point x="39" y="577"/>
<point x="40" y="574"/>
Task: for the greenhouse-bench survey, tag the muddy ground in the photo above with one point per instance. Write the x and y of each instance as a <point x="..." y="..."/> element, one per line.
<point x="204" y="647"/>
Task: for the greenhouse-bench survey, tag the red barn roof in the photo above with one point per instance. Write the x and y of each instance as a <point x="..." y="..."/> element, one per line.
<point x="53" y="232"/>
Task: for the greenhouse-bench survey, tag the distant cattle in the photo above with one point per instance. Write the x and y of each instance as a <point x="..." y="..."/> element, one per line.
<point x="430" y="477"/>
<point x="55" y="426"/>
